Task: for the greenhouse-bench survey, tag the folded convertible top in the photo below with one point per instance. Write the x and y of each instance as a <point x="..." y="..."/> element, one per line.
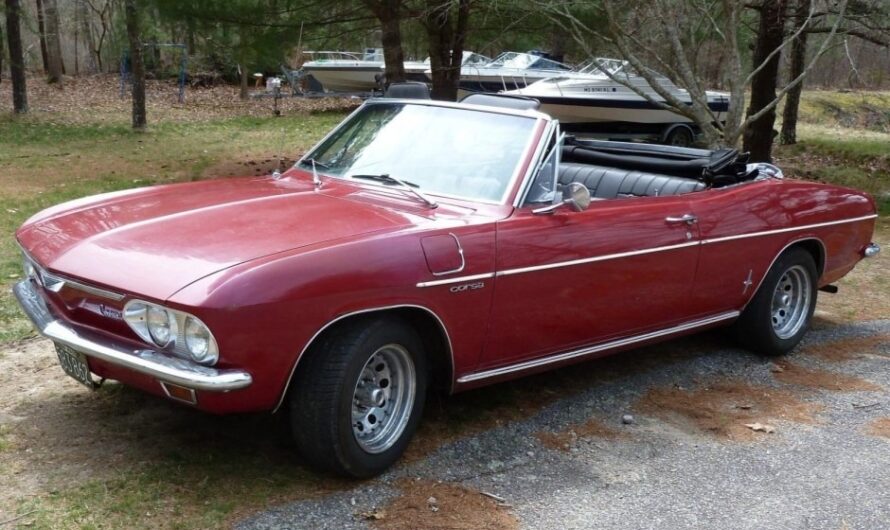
<point x="713" y="167"/>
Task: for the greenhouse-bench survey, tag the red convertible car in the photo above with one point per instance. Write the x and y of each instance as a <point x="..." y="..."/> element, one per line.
<point x="426" y="244"/>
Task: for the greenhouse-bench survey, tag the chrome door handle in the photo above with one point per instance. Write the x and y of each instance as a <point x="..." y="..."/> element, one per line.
<point x="686" y="218"/>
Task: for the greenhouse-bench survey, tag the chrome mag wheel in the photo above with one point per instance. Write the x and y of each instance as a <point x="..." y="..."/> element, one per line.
<point x="383" y="398"/>
<point x="791" y="302"/>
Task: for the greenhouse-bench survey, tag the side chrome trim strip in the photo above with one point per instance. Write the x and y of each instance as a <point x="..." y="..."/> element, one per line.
<point x="456" y="280"/>
<point x="535" y="363"/>
<point x="784" y="230"/>
<point x="359" y="312"/>
<point x="606" y="257"/>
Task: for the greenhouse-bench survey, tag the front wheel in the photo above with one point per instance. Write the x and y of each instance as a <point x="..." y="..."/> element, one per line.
<point x="779" y="315"/>
<point x="357" y="401"/>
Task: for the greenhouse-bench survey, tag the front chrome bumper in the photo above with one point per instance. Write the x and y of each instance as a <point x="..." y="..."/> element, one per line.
<point x="871" y="250"/>
<point x="149" y="362"/>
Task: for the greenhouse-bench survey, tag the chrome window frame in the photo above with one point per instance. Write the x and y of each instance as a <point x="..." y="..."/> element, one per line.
<point x="517" y="171"/>
<point x="553" y="130"/>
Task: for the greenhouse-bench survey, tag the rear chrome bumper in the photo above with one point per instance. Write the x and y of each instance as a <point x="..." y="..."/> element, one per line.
<point x="871" y="250"/>
<point x="149" y="362"/>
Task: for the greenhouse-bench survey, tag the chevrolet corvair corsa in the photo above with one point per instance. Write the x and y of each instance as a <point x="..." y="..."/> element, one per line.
<point x="427" y="244"/>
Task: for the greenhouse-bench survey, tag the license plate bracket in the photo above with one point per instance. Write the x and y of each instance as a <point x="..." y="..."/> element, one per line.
<point x="75" y="365"/>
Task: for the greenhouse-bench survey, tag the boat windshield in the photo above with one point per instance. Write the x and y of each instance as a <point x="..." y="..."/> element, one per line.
<point x="513" y="60"/>
<point x="601" y="64"/>
<point x="470" y="154"/>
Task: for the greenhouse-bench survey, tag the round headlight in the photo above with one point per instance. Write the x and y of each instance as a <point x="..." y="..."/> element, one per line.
<point x="199" y="342"/>
<point x="161" y="325"/>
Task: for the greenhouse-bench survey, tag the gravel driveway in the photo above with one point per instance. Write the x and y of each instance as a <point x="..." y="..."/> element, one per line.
<point x="684" y="460"/>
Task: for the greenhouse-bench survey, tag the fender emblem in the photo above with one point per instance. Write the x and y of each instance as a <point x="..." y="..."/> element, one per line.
<point x="110" y="312"/>
<point x="467" y="287"/>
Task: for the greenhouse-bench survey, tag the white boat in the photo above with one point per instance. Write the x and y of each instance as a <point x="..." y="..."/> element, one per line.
<point x="508" y="71"/>
<point x="351" y="72"/>
<point x="420" y="71"/>
<point x="589" y="101"/>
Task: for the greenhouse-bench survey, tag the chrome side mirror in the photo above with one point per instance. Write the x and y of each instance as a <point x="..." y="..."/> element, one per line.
<point x="574" y="195"/>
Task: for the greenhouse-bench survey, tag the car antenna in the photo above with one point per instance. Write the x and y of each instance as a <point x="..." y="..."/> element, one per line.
<point x="276" y="174"/>
<point x="315" y="178"/>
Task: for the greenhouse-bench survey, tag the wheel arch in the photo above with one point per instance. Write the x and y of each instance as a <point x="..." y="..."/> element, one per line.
<point x="812" y="244"/>
<point x="430" y="327"/>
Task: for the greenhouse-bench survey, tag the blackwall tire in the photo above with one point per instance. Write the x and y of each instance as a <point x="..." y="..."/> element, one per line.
<point x="357" y="400"/>
<point x="779" y="314"/>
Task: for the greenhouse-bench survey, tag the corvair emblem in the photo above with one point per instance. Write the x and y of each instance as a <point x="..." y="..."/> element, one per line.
<point x="467" y="287"/>
<point x="110" y="312"/>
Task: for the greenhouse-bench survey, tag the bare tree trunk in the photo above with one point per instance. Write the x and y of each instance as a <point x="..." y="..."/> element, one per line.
<point x="53" y="42"/>
<point x="16" y="56"/>
<point x="797" y="62"/>
<point x="389" y="13"/>
<point x="131" y="14"/>
<point x="758" y="137"/>
<point x="242" y="92"/>
<point x="41" y="29"/>
<point x="1" y="53"/>
<point x="86" y="29"/>
<point x="446" y="45"/>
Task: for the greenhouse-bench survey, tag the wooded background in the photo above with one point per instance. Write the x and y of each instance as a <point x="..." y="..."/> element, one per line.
<point x="762" y="51"/>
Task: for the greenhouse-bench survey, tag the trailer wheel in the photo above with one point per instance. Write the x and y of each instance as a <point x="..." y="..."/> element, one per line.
<point x="679" y="136"/>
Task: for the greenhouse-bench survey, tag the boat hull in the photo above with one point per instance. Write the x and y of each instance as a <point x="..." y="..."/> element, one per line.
<point x="346" y="78"/>
<point x="613" y="110"/>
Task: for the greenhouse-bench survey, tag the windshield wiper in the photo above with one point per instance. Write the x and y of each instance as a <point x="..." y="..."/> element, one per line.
<point x="406" y="185"/>
<point x="312" y="161"/>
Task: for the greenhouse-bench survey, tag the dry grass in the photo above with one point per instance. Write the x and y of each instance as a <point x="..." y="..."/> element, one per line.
<point x="564" y="439"/>
<point x="863" y="293"/>
<point x="879" y="427"/>
<point x="722" y="408"/>
<point x="794" y="374"/>
<point x="96" y="99"/>
<point x="428" y="505"/>
<point x="847" y="348"/>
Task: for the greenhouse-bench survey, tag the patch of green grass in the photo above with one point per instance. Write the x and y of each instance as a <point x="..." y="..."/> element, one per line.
<point x="845" y="157"/>
<point x="857" y="110"/>
<point x="4" y="442"/>
<point x="46" y="163"/>
<point x="188" y="488"/>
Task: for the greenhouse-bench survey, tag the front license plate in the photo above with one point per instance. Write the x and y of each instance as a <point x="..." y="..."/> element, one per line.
<point x="75" y="364"/>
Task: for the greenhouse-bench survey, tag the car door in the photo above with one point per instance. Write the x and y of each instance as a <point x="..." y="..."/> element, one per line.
<point x="572" y="279"/>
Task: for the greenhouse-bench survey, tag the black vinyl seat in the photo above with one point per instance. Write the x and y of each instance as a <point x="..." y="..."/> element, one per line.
<point x="612" y="183"/>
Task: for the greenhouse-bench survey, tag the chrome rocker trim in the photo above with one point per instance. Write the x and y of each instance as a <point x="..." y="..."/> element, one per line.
<point x="534" y="363"/>
<point x="149" y="362"/>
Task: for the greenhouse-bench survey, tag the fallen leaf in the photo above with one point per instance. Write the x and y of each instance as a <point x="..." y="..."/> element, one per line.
<point x="761" y="427"/>
<point x="373" y="515"/>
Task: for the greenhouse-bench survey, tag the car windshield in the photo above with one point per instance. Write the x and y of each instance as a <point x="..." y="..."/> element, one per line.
<point x="464" y="153"/>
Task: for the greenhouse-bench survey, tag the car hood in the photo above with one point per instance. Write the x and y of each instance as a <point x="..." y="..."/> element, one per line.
<point x="155" y="241"/>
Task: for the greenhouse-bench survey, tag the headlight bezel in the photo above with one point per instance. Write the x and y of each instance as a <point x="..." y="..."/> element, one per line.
<point x="136" y="313"/>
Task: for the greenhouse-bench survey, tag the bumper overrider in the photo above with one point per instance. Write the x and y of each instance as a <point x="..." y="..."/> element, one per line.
<point x="163" y="367"/>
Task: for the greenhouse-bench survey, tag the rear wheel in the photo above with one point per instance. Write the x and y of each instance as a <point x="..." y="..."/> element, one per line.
<point x="779" y="315"/>
<point x="356" y="403"/>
